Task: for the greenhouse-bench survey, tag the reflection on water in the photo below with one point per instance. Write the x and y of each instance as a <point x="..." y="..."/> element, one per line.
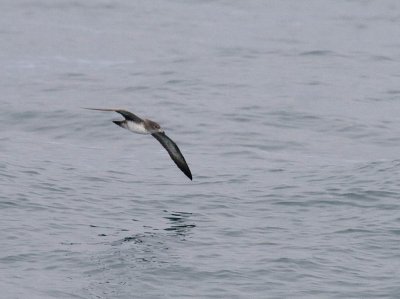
<point x="148" y="251"/>
<point x="179" y="222"/>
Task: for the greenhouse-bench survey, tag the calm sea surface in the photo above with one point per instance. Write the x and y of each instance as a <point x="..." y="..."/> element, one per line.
<point x="288" y="113"/>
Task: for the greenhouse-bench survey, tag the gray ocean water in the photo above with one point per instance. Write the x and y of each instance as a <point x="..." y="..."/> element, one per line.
<point x="286" y="111"/>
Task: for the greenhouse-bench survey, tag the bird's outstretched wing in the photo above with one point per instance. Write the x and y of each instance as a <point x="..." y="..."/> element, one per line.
<point x="126" y="114"/>
<point x="174" y="152"/>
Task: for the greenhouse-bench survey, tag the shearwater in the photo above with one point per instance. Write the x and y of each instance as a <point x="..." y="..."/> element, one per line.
<point x="146" y="126"/>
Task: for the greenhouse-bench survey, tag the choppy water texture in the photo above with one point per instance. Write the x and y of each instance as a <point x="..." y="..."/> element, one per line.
<point x="286" y="111"/>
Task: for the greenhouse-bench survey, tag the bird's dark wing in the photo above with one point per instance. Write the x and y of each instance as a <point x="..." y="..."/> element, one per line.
<point x="126" y="114"/>
<point x="174" y="152"/>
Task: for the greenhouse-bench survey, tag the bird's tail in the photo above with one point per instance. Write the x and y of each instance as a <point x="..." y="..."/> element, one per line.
<point x="121" y="123"/>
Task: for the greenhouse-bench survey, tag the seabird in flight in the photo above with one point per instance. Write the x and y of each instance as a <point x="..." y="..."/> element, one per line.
<point x="146" y="126"/>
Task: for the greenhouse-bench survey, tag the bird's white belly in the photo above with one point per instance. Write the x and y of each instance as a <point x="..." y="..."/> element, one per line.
<point x="137" y="128"/>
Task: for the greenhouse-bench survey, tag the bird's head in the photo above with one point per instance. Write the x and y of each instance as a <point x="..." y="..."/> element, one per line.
<point x="153" y="127"/>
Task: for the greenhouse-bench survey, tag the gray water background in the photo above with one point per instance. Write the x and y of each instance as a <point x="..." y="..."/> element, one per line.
<point x="286" y="111"/>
